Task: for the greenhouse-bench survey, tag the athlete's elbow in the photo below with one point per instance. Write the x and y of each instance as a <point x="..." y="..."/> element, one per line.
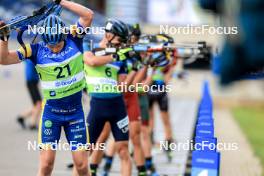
<point x="90" y="14"/>
<point x="90" y="62"/>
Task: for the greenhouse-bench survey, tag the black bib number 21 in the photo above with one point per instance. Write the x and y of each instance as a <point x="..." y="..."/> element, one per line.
<point x="60" y="71"/>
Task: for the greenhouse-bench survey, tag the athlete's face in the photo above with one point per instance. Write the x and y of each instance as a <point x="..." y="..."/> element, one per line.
<point x="134" y="39"/>
<point x="56" y="48"/>
<point x="112" y="39"/>
<point x="144" y="55"/>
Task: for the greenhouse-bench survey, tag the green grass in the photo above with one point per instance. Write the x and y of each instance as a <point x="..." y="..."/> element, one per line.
<point x="251" y="121"/>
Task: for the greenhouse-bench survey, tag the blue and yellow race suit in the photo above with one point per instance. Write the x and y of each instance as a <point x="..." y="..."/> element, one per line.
<point x="62" y="82"/>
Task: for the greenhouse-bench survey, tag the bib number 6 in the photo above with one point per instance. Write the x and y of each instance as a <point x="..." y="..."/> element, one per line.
<point x="108" y="72"/>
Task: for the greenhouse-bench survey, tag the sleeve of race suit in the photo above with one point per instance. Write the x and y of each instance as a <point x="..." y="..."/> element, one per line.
<point x="77" y="33"/>
<point x="28" y="52"/>
<point x="123" y="68"/>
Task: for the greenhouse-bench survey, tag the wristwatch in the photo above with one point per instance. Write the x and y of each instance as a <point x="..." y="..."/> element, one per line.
<point x="115" y="57"/>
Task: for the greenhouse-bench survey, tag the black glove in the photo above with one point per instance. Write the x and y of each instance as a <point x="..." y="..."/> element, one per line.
<point x="57" y="1"/>
<point x="150" y="62"/>
<point x="122" y="54"/>
<point x="145" y="61"/>
<point x="136" y="65"/>
<point x="4" y="32"/>
<point x="133" y="54"/>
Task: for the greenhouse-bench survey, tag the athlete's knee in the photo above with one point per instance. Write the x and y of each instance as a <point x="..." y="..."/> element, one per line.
<point x="46" y="166"/>
<point x="145" y="132"/>
<point x="135" y="137"/>
<point x="122" y="150"/>
<point x="81" y="166"/>
<point x="134" y="129"/>
<point x="165" y="116"/>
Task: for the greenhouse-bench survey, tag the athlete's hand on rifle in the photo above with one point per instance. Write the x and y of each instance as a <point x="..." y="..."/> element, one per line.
<point x="136" y="64"/>
<point x="149" y="61"/>
<point x="123" y="54"/>
<point x="5" y="32"/>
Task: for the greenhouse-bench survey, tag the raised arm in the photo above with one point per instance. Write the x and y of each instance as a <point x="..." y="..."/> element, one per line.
<point x="91" y="60"/>
<point x="141" y="74"/>
<point x="6" y="57"/>
<point x="146" y="73"/>
<point x="85" y="14"/>
<point x="168" y="75"/>
<point x="128" y="80"/>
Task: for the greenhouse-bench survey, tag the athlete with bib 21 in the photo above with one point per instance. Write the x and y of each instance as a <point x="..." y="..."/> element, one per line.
<point x="59" y="62"/>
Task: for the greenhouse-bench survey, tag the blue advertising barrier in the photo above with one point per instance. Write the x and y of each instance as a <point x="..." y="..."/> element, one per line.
<point x="204" y="112"/>
<point x="205" y="158"/>
<point x="206" y="117"/>
<point x="205" y="122"/>
<point x="205" y="163"/>
<point x="205" y="144"/>
<point x="204" y="131"/>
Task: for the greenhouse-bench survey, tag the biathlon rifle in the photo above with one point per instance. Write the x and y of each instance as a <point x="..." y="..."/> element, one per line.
<point x="21" y="23"/>
<point x="188" y="51"/>
<point x="158" y="47"/>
